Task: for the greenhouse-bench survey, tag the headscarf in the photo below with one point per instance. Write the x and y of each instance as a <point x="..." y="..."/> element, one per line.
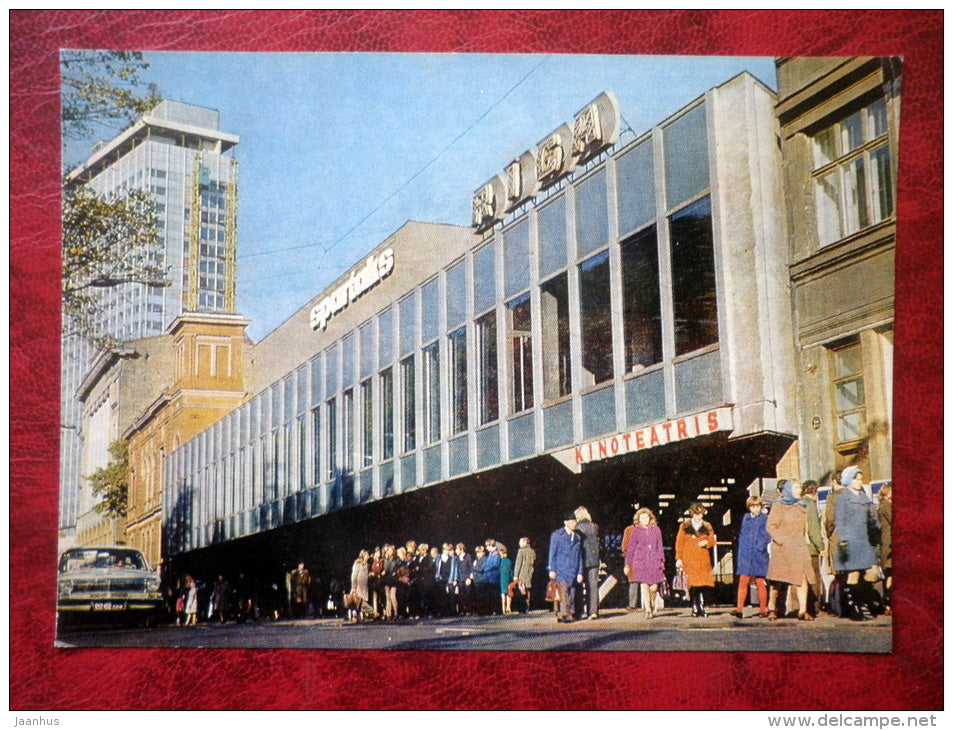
<point x="787" y="493"/>
<point x="847" y="476"/>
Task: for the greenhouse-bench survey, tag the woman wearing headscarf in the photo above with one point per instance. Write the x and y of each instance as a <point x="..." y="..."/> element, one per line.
<point x="856" y="521"/>
<point x="790" y="561"/>
<point x="693" y="546"/>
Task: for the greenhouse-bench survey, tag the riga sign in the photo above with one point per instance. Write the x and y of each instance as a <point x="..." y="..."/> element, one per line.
<point x="594" y="129"/>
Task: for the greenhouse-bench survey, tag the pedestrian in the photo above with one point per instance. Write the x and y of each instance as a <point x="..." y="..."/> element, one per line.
<point x="815" y="546"/>
<point x="443" y="581"/>
<point x="359" y="571"/>
<point x="300" y="587"/>
<point x="565" y="566"/>
<point x="423" y="581"/>
<point x="856" y="520"/>
<point x="389" y="580"/>
<point x="220" y="597"/>
<point x="589" y="532"/>
<point x="191" y="602"/>
<point x="375" y="585"/>
<point x="790" y="561"/>
<point x="833" y="601"/>
<point x="752" y="562"/>
<point x="463" y="580"/>
<point x="885" y="516"/>
<point x="523" y="570"/>
<point x="491" y="575"/>
<point x="645" y="558"/>
<point x="694" y="543"/>
<point x="506" y="577"/>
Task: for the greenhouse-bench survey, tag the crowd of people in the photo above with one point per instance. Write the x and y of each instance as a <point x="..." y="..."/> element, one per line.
<point x="799" y="562"/>
<point x="416" y="580"/>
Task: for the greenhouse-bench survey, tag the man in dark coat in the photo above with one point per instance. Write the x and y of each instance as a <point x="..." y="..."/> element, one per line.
<point x="565" y="565"/>
<point x="589" y="532"/>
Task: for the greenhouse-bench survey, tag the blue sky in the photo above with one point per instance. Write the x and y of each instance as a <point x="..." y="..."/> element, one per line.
<point x="338" y="150"/>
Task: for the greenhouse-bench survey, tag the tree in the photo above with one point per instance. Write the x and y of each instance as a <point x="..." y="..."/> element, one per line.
<point x="102" y="89"/>
<point x="112" y="481"/>
<point x="107" y="242"/>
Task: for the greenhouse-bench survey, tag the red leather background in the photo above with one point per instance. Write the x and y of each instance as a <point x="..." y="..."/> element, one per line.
<point x="42" y="677"/>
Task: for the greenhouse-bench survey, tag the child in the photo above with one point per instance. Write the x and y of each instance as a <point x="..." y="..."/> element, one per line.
<point x="753" y="540"/>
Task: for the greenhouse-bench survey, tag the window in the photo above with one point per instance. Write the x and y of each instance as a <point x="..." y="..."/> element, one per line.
<point x="387" y="413"/>
<point x="333" y="461"/>
<point x="521" y="340"/>
<point x="693" y="277"/>
<point x="316" y="442"/>
<point x="552" y="236"/>
<point x="685" y="144"/>
<point x="409" y="403"/>
<point x="484" y="277"/>
<point x="555" y="351"/>
<point x="489" y="393"/>
<point x="642" y="308"/>
<point x="596" y="318"/>
<point x="347" y="431"/>
<point x="516" y="257"/>
<point x="431" y="392"/>
<point x="849" y="399"/>
<point x="853" y="184"/>
<point x="636" y="187"/>
<point x="458" y="380"/>
<point x="592" y="213"/>
<point x="367" y="423"/>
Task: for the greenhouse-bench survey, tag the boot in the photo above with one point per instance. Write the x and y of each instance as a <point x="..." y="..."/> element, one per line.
<point x="871" y="599"/>
<point x="852" y="607"/>
<point x="696" y="599"/>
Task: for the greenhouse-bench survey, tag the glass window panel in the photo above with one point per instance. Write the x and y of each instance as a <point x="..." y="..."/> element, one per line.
<point x="516" y="257"/>
<point x="331" y="370"/>
<point x="456" y="294"/>
<point x="849" y="394"/>
<point x="431" y="392"/>
<point x="825" y="147"/>
<point x="850" y="426"/>
<point x="368" y="351"/>
<point x="408" y="324"/>
<point x="289" y="399"/>
<point x="347" y="431"/>
<point x="430" y="299"/>
<point x="882" y="182"/>
<point x="827" y="198"/>
<point x="458" y="380"/>
<point x="685" y="143"/>
<point x="852" y="134"/>
<point x="385" y="337"/>
<point x="484" y="277"/>
<point x="521" y="353"/>
<point x="552" y="236"/>
<point x="555" y="348"/>
<point x="635" y="183"/>
<point x="408" y="389"/>
<point x="316" y="381"/>
<point x="316" y="444"/>
<point x="847" y="361"/>
<point x="592" y="213"/>
<point x="694" y="295"/>
<point x="488" y="368"/>
<point x="642" y="305"/>
<point x="387" y="414"/>
<point x="878" y="118"/>
<point x="334" y="460"/>
<point x="348" y="365"/>
<point x="367" y="423"/>
<point x="595" y="312"/>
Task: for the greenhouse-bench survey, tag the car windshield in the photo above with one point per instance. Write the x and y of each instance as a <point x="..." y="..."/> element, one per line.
<point x="95" y="559"/>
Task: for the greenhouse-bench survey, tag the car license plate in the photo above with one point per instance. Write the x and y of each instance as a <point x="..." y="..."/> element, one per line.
<point x="107" y="606"/>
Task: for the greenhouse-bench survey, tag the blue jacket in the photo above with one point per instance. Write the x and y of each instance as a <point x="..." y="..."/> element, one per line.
<point x="565" y="555"/>
<point x="753" y="542"/>
<point x="491" y="568"/>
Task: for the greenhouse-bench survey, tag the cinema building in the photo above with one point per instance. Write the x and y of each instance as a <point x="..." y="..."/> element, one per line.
<point x="614" y="328"/>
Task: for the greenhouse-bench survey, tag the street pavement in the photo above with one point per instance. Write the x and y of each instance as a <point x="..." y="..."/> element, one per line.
<point x="614" y="630"/>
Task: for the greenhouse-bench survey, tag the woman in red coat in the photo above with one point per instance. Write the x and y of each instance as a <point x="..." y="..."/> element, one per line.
<point x="693" y="547"/>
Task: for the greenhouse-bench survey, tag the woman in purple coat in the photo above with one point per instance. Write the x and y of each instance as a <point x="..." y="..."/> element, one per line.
<point x="644" y="558"/>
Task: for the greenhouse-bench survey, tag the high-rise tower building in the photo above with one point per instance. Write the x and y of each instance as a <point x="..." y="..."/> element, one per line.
<point x="177" y="152"/>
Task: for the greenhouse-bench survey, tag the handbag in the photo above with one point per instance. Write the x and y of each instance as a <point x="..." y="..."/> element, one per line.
<point x="552" y="591"/>
<point x="680" y="581"/>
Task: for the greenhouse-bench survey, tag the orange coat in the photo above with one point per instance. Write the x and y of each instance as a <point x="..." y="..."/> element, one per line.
<point x="696" y="560"/>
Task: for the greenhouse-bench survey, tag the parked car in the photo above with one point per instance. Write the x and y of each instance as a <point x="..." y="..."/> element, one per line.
<point x="107" y="581"/>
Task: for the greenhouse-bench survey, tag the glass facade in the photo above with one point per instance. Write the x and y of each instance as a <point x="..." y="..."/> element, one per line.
<point x="612" y="275"/>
